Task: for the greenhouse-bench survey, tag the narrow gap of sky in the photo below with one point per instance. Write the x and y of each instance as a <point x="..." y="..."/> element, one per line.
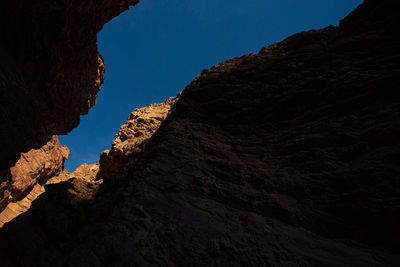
<point x="156" y="48"/>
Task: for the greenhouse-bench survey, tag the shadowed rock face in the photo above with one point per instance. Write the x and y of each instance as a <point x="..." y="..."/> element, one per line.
<point x="27" y="179"/>
<point x="133" y="136"/>
<point x="288" y="157"/>
<point x="33" y="168"/>
<point x="50" y="70"/>
<point x="50" y="73"/>
<point x="83" y="180"/>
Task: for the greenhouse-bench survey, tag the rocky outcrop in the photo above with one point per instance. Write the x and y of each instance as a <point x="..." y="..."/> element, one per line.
<point x="83" y="183"/>
<point x="33" y="168"/>
<point x="128" y="145"/>
<point x="50" y="70"/>
<point x="67" y="204"/>
<point x="83" y="186"/>
<point x="14" y="209"/>
<point x="133" y="136"/>
<point x="50" y="74"/>
<point x="288" y="157"/>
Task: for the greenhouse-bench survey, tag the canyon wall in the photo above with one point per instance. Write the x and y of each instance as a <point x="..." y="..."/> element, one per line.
<point x="50" y="74"/>
<point x="287" y="157"/>
<point x="32" y="169"/>
<point x="50" y="70"/>
<point x="38" y="168"/>
<point x="133" y="136"/>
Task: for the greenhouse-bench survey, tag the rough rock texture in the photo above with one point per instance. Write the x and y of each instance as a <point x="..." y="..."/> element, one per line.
<point x="50" y="70"/>
<point x="67" y="204"/>
<point x="289" y="157"/>
<point x="133" y="136"/>
<point x="85" y="174"/>
<point x="83" y="183"/>
<point x="14" y="209"/>
<point x="48" y="162"/>
<point x="34" y="167"/>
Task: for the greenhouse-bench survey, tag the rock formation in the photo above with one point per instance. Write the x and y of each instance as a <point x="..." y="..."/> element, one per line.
<point x="85" y="174"/>
<point x="38" y="168"/>
<point x="288" y="157"/>
<point x="50" y="70"/>
<point x="31" y="171"/>
<point x="133" y="136"/>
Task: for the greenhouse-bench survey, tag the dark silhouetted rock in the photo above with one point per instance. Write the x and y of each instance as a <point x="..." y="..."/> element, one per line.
<point x="133" y="136"/>
<point x="50" y="70"/>
<point x="288" y="157"/>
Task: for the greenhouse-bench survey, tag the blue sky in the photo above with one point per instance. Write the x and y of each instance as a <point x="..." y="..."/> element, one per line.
<point x="158" y="47"/>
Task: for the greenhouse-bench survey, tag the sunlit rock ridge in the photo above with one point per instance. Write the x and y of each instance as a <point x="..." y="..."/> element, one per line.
<point x="287" y="157"/>
<point x="50" y="69"/>
<point x="40" y="167"/>
<point x="50" y="74"/>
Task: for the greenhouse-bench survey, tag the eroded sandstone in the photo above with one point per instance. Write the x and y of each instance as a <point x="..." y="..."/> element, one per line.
<point x="50" y="70"/>
<point x="288" y="157"/>
<point x="83" y="183"/>
<point x="132" y="137"/>
<point x="129" y="144"/>
<point x="33" y="168"/>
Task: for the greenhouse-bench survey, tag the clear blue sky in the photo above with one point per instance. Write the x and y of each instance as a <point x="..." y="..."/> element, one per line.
<point x="157" y="47"/>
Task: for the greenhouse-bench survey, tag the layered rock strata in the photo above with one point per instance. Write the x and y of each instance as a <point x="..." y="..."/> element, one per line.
<point x="128" y="145"/>
<point x="288" y="157"/>
<point x="50" y="70"/>
<point x="85" y="174"/>
<point x="32" y="170"/>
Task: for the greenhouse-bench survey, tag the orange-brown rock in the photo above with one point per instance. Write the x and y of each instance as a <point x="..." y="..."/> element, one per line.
<point x="68" y="201"/>
<point x="50" y="70"/>
<point x="14" y="209"/>
<point x="133" y="136"/>
<point x="34" y="167"/>
<point x="84" y="185"/>
<point x="83" y="182"/>
<point x="129" y="143"/>
<point x="288" y="157"/>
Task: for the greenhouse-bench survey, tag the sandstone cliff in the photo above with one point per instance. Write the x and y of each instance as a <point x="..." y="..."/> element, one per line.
<point x="45" y="166"/>
<point x="50" y="70"/>
<point x="50" y="73"/>
<point x="133" y="136"/>
<point x="84" y="181"/>
<point x="32" y="170"/>
<point x="288" y="157"/>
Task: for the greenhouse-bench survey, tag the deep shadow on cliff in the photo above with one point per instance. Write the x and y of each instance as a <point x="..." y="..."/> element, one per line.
<point x="288" y="157"/>
<point x="50" y="70"/>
